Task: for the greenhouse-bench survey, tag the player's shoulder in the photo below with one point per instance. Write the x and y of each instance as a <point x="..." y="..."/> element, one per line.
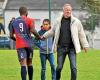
<point x="27" y="18"/>
<point x="13" y="21"/>
<point x="17" y="19"/>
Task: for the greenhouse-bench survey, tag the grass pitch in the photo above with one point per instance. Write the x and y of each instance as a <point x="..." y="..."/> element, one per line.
<point x="88" y="66"/>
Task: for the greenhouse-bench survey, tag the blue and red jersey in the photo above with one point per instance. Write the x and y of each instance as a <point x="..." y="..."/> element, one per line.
<point x="21" y="27"/>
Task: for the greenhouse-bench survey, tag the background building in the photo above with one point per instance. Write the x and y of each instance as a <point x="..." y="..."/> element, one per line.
<point x="38" y="10"/>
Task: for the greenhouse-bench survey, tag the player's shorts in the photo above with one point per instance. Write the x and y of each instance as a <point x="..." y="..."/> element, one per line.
<point x="25" y="53"/>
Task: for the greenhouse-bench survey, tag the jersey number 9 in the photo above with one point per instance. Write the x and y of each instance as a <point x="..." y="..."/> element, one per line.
<point x="21" y="27"/>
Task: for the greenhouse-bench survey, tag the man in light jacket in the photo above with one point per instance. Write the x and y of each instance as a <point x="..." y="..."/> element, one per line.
<point x="69" y="37"/>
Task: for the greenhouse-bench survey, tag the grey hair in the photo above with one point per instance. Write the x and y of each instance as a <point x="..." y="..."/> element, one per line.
<point x="67" y="5"/>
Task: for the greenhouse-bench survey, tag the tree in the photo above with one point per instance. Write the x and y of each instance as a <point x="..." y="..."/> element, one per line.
<point x="93" y="8"/>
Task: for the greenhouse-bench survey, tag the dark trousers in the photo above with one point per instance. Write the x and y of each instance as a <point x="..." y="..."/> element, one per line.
<point x="61" y="55"/>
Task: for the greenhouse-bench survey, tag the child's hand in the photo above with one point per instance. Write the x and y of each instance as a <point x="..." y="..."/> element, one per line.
<point x="43" y="38"/>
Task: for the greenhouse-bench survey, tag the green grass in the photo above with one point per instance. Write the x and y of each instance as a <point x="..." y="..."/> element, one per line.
<point x="88" y="66"/>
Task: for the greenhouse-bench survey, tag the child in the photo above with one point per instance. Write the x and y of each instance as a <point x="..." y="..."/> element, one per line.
<point x="45" y="51"/>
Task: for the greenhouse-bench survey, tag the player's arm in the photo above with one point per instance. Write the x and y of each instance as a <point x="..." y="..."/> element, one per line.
<point x="11" y="30"/>
<point x="35" y="33"/>
<point x="33" y="30"/>
<point x="12" y="36"/>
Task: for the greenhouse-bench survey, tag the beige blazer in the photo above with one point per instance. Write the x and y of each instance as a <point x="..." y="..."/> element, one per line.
<point x="77" y="33"/>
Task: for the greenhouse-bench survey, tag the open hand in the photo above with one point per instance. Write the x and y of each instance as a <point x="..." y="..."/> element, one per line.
<point x="85" y="49"/>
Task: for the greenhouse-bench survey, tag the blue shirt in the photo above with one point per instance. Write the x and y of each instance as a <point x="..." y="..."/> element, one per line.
<point x="42" y="44"/>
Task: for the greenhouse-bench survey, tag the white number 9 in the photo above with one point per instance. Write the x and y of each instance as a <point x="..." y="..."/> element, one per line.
<point x="21" y="27"/>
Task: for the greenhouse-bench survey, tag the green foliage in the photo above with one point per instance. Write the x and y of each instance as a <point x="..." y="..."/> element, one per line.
<point x="90" y="23"/>
<point x="93" y="8"/>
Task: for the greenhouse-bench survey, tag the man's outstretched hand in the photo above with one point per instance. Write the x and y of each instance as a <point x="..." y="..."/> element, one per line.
<point x="85" y="49"/>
